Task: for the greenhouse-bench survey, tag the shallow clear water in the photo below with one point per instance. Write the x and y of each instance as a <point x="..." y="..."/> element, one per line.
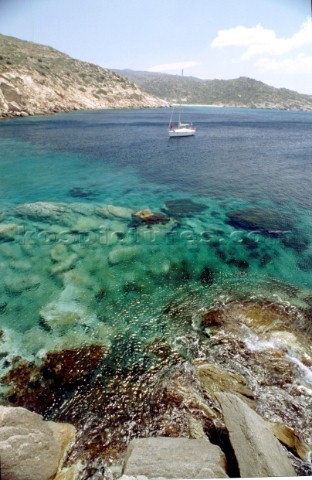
<point x="239" y="159"/>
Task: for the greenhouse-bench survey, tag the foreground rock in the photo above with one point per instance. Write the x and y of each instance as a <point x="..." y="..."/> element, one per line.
<point x="30" y="448"/>
<point x="258" y="452"/>
<point x="175" y="458"/>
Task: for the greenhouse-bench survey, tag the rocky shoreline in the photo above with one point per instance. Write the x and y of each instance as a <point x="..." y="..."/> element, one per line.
<point x="224" y="437"/>
<point x="22" y="95"/>
<point x="218" y="372"/>
<point x="248" y="404"/>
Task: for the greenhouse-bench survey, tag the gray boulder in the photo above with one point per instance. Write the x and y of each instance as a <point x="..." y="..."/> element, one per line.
<point x="258" y="452"/>
<point x="30" y="448"/>
<point x="174" y="458"/>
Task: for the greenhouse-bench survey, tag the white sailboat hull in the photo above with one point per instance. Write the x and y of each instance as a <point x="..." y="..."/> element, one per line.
<point x="181" y="132"/>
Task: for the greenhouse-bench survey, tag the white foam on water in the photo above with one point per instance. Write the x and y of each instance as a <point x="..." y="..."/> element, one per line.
<point x="304" y="370"/>
<point x="254" y="344"/>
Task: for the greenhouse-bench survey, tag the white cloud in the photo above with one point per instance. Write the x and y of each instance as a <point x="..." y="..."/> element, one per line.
<point x="301" y="64"/>
<point x="259" y="40"/>
<point x="172" y="66"/>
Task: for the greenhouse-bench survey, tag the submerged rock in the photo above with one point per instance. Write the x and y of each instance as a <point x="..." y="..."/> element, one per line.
<point x="299" y="243"/>
<point x="183" y="207"/>
<point x="55" y="315"/>
<point x="42" y="210"/>
<point x="147" y="217"/>
<point x="112" y="211"/>
<point x="79" y="192"/>
<point x="258" y="452"/>
<point x="239" y="263"/>
<point x="123" y="254"/>
<point x="30" y="448"/>
<point x="58" y="252"/>
<point x="86" y="224"/>
<point x="19" y="283"/>
<point x="261" y="220"/>
<point x="65" y="265"/>
<point x="21" y="265"/>
<point x="8" y="231"/>
<point x="175" y="458"/>
<point x="41" y="388"/>
<point x="305" y="263"/>
<point x="207" y="276"/>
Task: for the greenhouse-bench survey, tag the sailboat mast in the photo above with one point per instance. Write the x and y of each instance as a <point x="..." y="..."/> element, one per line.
<point x="180" y="100"/>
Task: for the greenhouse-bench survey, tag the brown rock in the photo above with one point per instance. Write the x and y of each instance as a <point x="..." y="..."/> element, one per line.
<point x="214" y="379"/>
<point x="212" y="318"/>
<point x="289" y="438"/>
<point x="148" y="217"/>
<point x="39" y="388"/>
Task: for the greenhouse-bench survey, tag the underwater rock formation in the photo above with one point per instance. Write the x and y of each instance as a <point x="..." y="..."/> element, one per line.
<point x="264" y="220"/>
<point x="183" y="207"/>
<point x="147" y="217"/>
<point x="41" y="388"/>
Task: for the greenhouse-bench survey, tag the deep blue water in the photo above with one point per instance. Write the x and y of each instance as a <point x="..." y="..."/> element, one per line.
<point x="253" y="155"/>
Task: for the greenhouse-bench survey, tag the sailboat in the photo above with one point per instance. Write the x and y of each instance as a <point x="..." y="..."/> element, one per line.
<point x="180" y="129"/>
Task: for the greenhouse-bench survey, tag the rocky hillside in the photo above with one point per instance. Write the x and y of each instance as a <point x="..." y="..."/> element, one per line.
<point x="240" y="92"/>
<point x="37" y="79"/>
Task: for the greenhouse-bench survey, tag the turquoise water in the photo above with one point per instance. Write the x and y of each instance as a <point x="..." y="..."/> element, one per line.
<point x="78" y="274"/>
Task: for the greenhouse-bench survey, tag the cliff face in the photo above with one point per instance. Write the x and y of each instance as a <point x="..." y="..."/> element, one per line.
<point x="36" y="79"/>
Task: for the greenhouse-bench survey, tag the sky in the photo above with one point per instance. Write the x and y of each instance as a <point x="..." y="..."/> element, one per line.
<point x="269" y="40"/>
